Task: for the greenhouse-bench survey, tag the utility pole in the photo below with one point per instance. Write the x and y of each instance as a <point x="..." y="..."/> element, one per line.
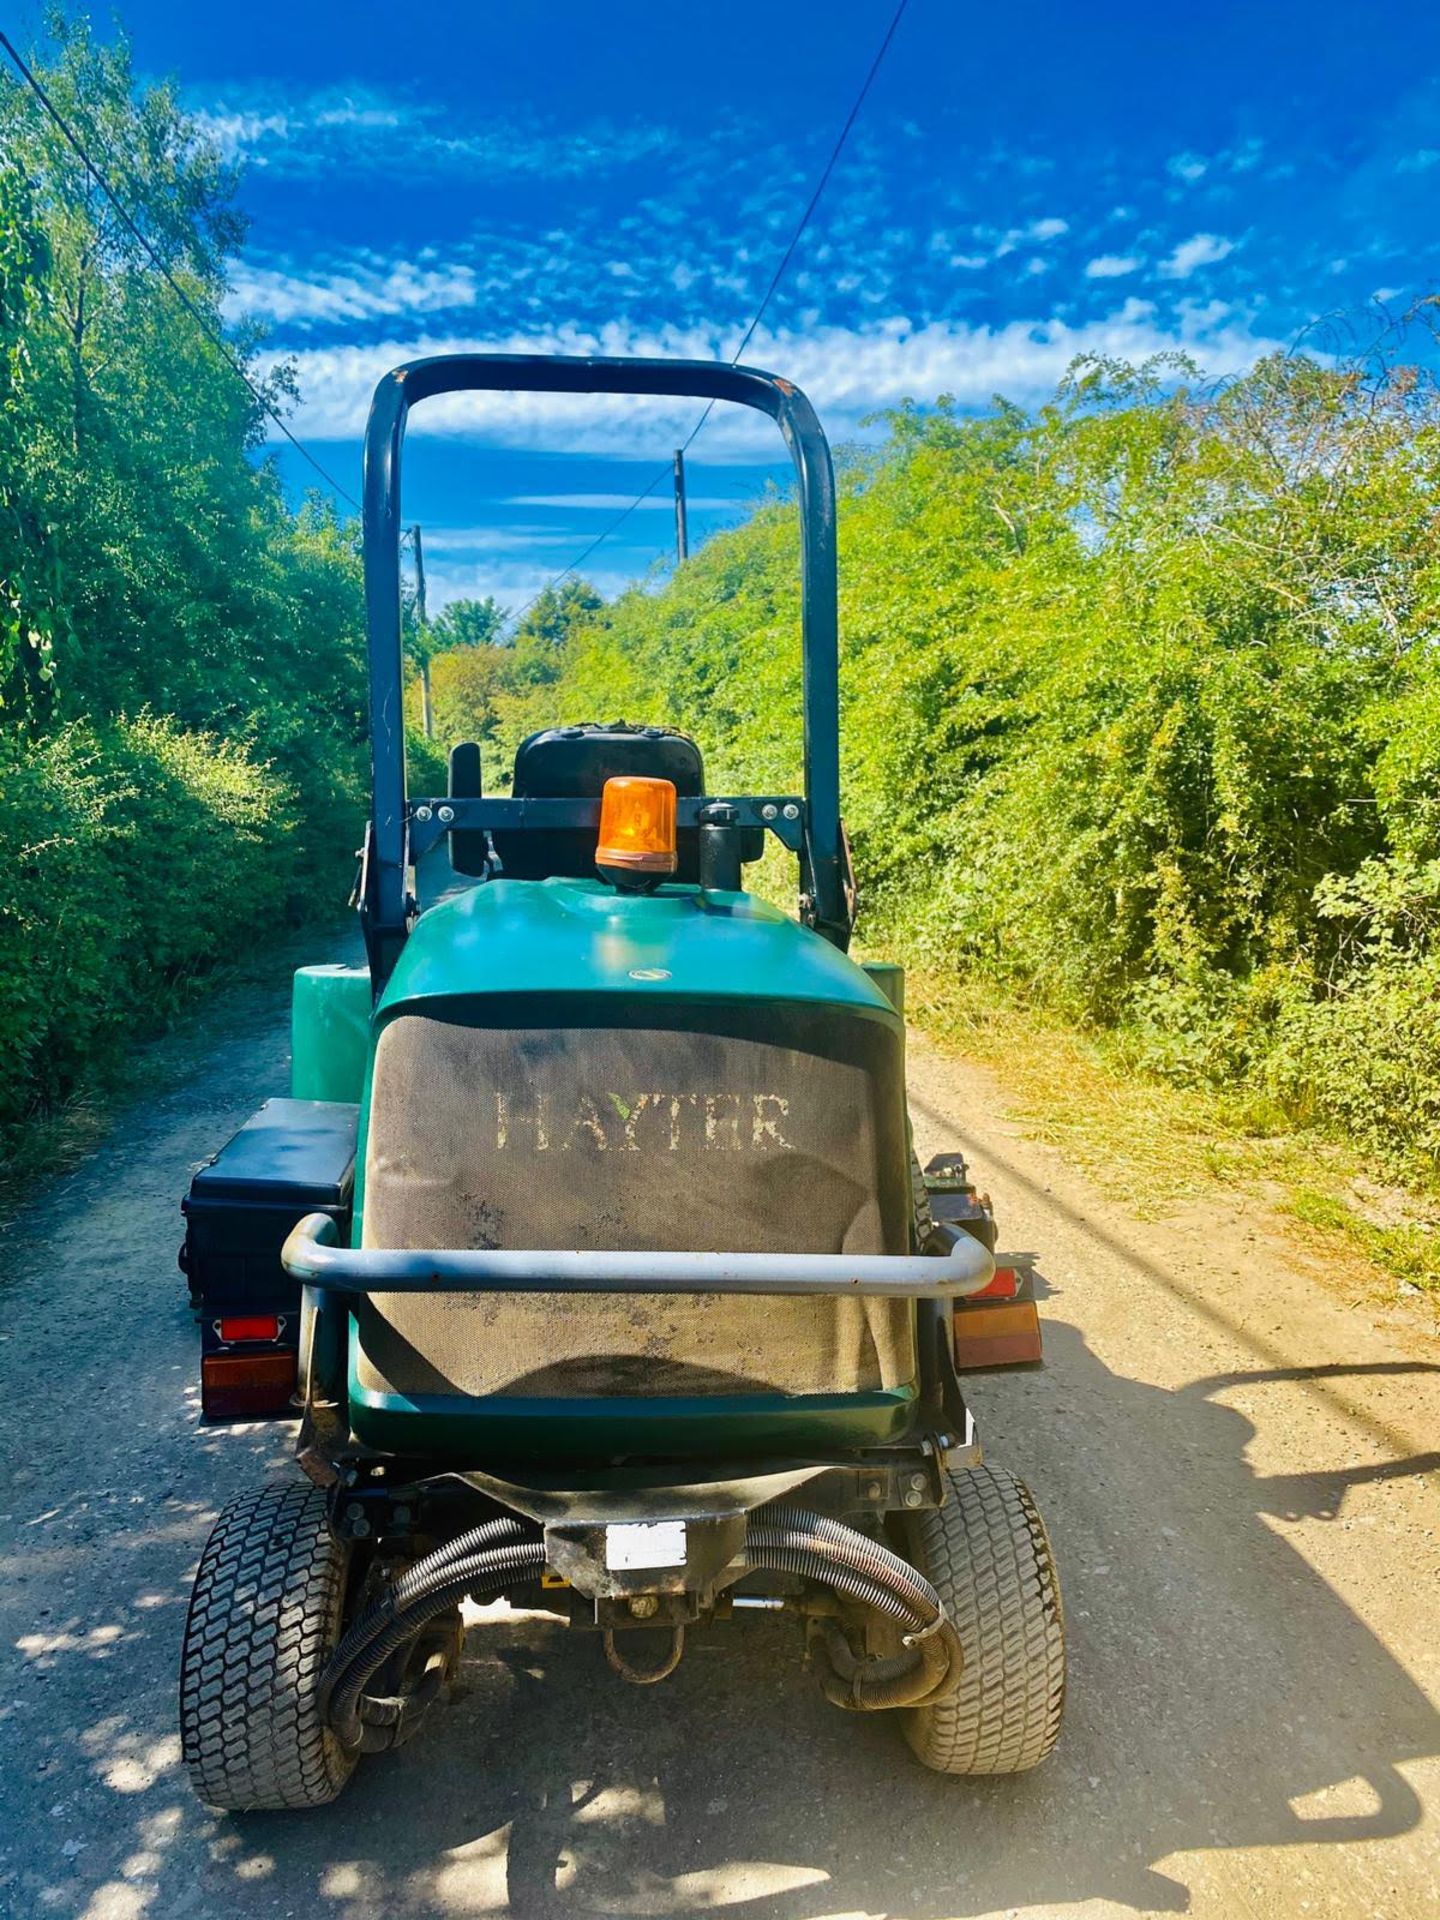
<point x="427" y="705"/>
<point x="682" y="531"/>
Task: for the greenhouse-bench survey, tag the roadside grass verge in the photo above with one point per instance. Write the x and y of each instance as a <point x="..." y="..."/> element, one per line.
<point x="1160" y="1148"/>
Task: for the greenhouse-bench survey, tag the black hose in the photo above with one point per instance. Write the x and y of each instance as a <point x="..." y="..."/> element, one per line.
<point x="916" y="1678"/>
<point x="823" y="1549"/>
<point x="407" y="1586"/>
<point x="432" y="1586"/>
<point x="831" y="1540"/>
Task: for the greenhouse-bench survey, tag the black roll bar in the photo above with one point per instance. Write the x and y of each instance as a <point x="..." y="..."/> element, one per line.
<point x="385" y="904"/>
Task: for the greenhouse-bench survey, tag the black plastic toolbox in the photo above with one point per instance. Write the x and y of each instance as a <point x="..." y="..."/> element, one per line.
<point x="291" y="1158"/>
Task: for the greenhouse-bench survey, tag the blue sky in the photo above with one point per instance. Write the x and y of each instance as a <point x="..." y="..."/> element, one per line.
<point x="1024" y="184"/>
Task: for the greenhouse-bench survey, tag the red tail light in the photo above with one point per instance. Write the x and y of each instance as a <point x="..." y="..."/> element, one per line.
<point x="248" y="1326"/>
<point x="1004" y="1286"/>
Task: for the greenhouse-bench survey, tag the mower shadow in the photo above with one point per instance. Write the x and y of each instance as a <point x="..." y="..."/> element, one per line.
<point x="1196" y="1721"/>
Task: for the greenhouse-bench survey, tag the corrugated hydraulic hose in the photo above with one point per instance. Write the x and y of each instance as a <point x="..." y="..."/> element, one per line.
<point x="790" y="1540"/>
<point x="485" y="1558"/>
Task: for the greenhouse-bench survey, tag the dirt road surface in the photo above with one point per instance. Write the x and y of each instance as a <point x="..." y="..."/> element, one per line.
<point x="1233" y="1462"/>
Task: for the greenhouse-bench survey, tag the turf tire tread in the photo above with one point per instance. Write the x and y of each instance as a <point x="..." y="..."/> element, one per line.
<point x="988" y="1555"/>
<point x="265" y="1615"/>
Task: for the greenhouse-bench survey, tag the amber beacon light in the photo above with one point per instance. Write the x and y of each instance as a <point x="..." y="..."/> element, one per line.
<point x="637" y="832"/>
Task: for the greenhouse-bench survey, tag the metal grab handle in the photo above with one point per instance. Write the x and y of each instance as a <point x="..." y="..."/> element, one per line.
<point x="959" y="1266"/>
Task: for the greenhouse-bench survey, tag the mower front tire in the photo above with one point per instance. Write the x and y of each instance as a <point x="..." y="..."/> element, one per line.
<point x="986" y="1553"/>
<point x="265" y="1616"/>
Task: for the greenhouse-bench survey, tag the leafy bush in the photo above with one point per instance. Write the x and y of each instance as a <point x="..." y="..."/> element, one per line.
<point x="137" y="855"/>
<point x="149" y="565"/>
<point x="1141" y="715"/>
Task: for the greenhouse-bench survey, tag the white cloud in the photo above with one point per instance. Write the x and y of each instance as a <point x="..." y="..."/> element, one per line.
<point x="492" y="539"/>
<point x="235" y="132"/>
<point x="848" y="372"/>
<point x="363" y="291"/>
<point x="1243" y="157"/>
<point x="1036" y="232"/>
<point x="1200" y="250"/>
<point x="1111" y="266"/>
<point x="513" y="583"/>
<point x="1420" y="161"/>
<point x="362" y="131"/>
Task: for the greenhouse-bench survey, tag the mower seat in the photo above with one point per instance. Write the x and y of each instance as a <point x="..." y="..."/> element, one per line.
<point x="573" y="763"/>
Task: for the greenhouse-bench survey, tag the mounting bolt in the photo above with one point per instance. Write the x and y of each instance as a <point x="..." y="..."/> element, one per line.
<point x="355" y="1511"/>
<point x="918" y="1482"/>
<point x="644" y="1606"/>
<point x="422" y="813"/>
<point x="914" y="1499"/>
<point x="874" y="1490"/>
<point x="791" y="811"/>
<point x="445" y="814"/>
<point x="360" y="1529"/>
<point x="769" y="811"/>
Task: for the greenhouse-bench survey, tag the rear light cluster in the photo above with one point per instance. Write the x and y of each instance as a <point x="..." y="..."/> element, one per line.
<point x="251" y="1374"/>
<point x="1000" y="1325"/>
<point x="233" y="1385"/>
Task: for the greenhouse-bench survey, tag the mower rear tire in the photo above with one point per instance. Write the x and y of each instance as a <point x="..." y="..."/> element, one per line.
<point x="265" y="1616"/>
<point x="987" y="1555"/>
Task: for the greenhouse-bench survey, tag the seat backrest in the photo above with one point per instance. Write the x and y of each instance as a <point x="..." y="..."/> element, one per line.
<point x="573" y="763"/>
<point x="717" y="1131"/>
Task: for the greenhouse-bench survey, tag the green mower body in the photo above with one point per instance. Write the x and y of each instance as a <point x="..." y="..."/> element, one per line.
<point x="682" y="966"/>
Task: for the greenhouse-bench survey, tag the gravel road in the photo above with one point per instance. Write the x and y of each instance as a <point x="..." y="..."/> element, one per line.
<point x="1236" y="1463"/>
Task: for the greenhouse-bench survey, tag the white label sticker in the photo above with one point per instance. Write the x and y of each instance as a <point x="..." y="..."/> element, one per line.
<point x="645" y="1543"/>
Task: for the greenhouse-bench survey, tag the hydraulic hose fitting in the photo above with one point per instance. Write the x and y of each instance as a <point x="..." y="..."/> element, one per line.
<point x="824" y="1550"/>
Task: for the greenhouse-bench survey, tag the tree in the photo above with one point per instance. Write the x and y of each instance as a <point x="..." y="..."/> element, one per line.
<point x="464" y="684"/>
<point x="546" y="630"/>
<point x="467" y="623"/>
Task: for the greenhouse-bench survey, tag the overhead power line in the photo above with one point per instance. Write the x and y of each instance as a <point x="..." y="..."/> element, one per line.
<point x="779" y="274"/>
<point x="202" y="321"/>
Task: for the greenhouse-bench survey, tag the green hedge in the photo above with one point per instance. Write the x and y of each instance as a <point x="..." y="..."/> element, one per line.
<point x="150" y="564"/>
<point x="136" y="854"/>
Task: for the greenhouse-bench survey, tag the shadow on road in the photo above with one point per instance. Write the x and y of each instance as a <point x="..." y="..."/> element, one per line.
<point x="1223" y="1696"/>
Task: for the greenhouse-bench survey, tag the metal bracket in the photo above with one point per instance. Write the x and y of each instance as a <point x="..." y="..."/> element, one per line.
<point x="782" y="814"/>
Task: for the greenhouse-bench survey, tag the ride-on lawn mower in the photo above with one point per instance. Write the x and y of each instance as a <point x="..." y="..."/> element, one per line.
<point x="639" y="1310"/>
